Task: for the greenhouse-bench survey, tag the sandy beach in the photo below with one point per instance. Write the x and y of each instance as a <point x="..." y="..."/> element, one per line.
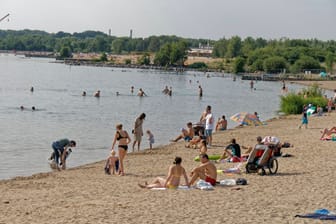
<point x="304" y="183"/>
<point x="330" y="85"/>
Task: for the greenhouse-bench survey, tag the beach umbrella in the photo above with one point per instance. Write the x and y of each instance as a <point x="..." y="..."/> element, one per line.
<point x="245" y="118"/>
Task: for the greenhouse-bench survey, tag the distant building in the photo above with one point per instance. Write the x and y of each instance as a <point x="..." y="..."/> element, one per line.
<point x="201" y="51"/>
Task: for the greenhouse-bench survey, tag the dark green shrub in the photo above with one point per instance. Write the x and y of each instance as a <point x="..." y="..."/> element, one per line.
<point x="291" y="104"/>
<point x="198" y="65"/>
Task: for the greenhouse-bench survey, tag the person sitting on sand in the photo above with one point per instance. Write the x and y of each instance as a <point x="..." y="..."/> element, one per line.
<point x="221" y="124"/>
<point x="187" y="134"/>
<point x="328" y="132"/>
<point x="207" y="171"/>
<point x="113" y="161"/>
<point x="194" y="143"/>
<point x="232" y="152"/>
<point x="173" y="179"/>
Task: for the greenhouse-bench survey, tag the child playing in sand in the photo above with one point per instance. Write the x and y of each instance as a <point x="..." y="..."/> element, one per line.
<point x="150" y="138"/>
<point x="113" y="161"/>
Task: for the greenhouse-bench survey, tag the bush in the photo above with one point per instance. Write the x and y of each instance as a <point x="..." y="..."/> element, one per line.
<point x="198" y="65"/>
<point x="293" y="103"/>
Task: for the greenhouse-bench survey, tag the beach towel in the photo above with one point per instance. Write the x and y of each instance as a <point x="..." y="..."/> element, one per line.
<point x="329" y="138"/>
<point x="203" y="185"/>
<point x="178" y="188"/>
<point x="321" y="214"/>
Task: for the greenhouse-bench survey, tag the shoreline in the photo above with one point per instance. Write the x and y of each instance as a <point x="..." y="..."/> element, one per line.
<point x="85" y="194"/>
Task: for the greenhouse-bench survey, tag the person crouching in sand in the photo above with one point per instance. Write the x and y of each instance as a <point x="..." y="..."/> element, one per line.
<point x="173" y="179"/>
<point x="207" y="171"/>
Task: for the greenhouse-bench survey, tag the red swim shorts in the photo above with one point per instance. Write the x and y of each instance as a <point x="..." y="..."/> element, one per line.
<point x="210" y="180"/>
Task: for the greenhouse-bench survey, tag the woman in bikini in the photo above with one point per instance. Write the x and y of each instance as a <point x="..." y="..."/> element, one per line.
<point x="173" y="179"/>
<point x="123" y="140"/>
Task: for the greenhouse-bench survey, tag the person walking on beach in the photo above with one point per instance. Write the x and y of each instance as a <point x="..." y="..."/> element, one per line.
<point x="304" y="119"/>
<point x="150" y="139"/>
<point x="138" y="131"/>
<point x="173" y="178"/>
<point x="61" y="150"/>
<point x="330" y="105"/>
<point x="132" y="90"/>
<point x="123" y="140"/>
<point x="207" y="171"/>
<point x="209" y="125"/>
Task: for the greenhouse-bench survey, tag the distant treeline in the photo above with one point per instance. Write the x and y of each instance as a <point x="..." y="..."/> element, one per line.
<point x="237" y="54"/>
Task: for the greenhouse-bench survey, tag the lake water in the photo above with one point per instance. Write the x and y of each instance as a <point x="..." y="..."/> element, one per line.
<point x="26" y="136"/>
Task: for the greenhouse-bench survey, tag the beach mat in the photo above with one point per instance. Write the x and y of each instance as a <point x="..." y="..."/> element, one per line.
<point x="317" y="216"/>
<point x="321" y="214"/>
<point x="211" y="157"/>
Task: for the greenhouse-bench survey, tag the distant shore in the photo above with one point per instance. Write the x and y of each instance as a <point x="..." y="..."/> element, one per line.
<point x="329" y="85"/>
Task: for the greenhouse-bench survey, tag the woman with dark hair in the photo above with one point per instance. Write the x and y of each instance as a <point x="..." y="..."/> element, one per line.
<point x="173" y="179"/>
<point x="123" y="140"/>
<point x="138" y="131"/>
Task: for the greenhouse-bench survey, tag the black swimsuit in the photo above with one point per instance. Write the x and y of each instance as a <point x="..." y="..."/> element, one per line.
<point x="125" y="147"/>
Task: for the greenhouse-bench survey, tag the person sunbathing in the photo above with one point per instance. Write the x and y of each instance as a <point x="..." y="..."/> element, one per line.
<point x="173" y="179"/>
<point x="326" y="132"/>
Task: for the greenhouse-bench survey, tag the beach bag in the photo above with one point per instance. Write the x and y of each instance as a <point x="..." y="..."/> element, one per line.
<point x="241" y="181"/>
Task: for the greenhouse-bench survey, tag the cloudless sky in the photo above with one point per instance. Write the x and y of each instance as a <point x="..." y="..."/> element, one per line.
<point x="213" y="19"/>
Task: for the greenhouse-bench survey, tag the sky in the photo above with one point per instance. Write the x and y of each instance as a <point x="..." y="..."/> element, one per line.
<point x="207" y="19"/>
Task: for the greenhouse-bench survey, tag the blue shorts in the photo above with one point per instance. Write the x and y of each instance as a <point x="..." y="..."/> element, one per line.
<point x="187" y="138"/>
<point x="208" y="132"/>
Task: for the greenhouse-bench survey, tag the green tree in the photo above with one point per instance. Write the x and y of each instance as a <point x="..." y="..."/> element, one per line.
<point x="275" y="64"/>
<point x="144" y="59"/>
<point x="330" y="59"/>
<point x="238" y="65"/>
<point x="103" y="57"/>
<point x="305" y="63"/>
<point x="234" y="47"/>
<point x="65" y="52"/>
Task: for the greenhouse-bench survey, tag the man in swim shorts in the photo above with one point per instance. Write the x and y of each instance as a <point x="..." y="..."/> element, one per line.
<point x="207" y="171"/>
